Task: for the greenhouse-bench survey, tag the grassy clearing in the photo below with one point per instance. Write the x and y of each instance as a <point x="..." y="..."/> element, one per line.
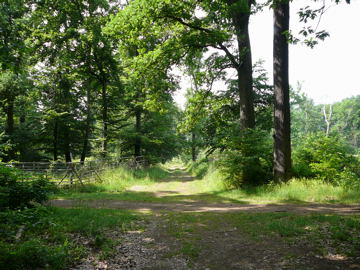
<point x="51" y="238"/>
<point x="159" y="184"/>
<point x="326" y="234"/>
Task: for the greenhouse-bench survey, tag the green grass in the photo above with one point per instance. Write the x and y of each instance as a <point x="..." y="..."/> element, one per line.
<point x="114" y="183"/>
<point x="54" y="238"/>
<point x="158" y="184"/>
<point x="294" y="191"/>
<point x="326" y="233"/>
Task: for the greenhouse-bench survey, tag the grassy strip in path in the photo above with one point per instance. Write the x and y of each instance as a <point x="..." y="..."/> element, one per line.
<point x="54" y="238"/>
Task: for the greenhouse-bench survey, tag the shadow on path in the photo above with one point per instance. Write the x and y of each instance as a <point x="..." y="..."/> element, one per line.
<point x="207" y="207"/>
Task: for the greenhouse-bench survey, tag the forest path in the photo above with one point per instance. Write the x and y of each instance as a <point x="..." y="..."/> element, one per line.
<point x="178" y="183"/>
<point x="177" y="193"/>
<point x="211" y="207"/>
<point x="190" y="234"/>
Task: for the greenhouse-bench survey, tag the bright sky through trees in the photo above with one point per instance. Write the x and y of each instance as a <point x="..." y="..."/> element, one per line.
<point x="329" y="72"/>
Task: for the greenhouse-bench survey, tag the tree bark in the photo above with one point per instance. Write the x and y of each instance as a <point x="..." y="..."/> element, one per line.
<point x="241" y="11"/>
<point x="137" y="146"/>
<point x="193" y="146"/>
<point x="240" y="18"/>
<point x="245" y="79"/>
<point x="55" y="140"/>
<point x="9" y="128"/>
<point x="282" y="139"/>
<point x="87" y="128"/>
<point x="104" y="120"/>
<point x="67" y="147"/>
<point x="22" y="145"/>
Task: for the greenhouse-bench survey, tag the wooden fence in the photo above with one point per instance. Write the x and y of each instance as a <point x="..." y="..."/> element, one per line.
<point x="70" y="173"/>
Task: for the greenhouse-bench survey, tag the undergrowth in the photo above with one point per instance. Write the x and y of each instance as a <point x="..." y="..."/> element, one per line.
<point x="119" y="179"/>
<point x="54" y="238"/>
<point x="294" y="191"/>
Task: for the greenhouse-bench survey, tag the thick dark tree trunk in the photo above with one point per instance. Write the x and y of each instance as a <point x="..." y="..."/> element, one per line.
<point x="22" y="146"/>
<point x="85" y="144"/>
<point x="55" y="140"/>
<point x="9" y="110"/>
<point x="104" y="145"/>
<point x="137" y="146"/>
<point x="245" y="79"/>
<point x="240" y="12"/>
<point x="87" y="128"/>
<point x="9" y="129"/>
<point x="193" y="146"/>
<point x="282" y="141"/>
<point x="67" y="147"/>
<point x="240" y="18"/>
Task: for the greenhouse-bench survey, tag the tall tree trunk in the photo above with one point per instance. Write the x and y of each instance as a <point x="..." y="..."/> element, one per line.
<point x="85" y="147"/>
<point x="137" y="146"/>
<point x="22" y="146"/>
<point x="9" y="111"/>
<point x="67" y="147"/>
<point x="193" y="146"/>
<point x="87" y="128"/>
<point x="104" y="120"/>
<point x="245" y="79"/>
<point x="282" y="140"/>
<point x="240" y="12"/>
<point x="55" y="139"/>
<point x="9" y="128"/>
<point x="240" y="18"/>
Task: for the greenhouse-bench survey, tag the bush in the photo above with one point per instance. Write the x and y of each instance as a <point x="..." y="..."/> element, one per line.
<point x="18" y="190"/>
<point x="42" y="243"/>
<point x="248" y="158"/>
<point x="33" y="254"/>
<point x="328" y="158"/>
<point x="200" y="167"/>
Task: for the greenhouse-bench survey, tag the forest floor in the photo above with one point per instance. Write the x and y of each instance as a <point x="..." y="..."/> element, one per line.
<point x="190" y="233"/>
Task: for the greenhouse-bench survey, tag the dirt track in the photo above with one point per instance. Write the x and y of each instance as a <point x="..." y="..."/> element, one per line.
<point x="207" y="207"/>
<point x="159" y="247"/>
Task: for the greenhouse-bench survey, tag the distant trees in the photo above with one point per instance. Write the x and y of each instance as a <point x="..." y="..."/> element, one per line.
<point x="308" y="118"/>
<point x="95" y="78"/>
<point x="65" y="92"/>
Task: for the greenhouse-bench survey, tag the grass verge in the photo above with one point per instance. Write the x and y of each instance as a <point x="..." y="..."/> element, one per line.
<point x="54" y="238"/>
<point x="294" y="191"/>
<point x="114" y="183"/>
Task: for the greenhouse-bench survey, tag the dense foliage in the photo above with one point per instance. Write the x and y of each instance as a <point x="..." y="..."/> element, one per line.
<point x="95" y="80"/>
<point x="18" y="190"/>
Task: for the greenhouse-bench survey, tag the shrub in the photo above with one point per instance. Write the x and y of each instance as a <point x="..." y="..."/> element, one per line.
<point x="248" y="158"/>
<point x="200" y="167"/>
<point x="18" y="190"/>
<point x="33" y="254"/>
<point x="328" y="158"/>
